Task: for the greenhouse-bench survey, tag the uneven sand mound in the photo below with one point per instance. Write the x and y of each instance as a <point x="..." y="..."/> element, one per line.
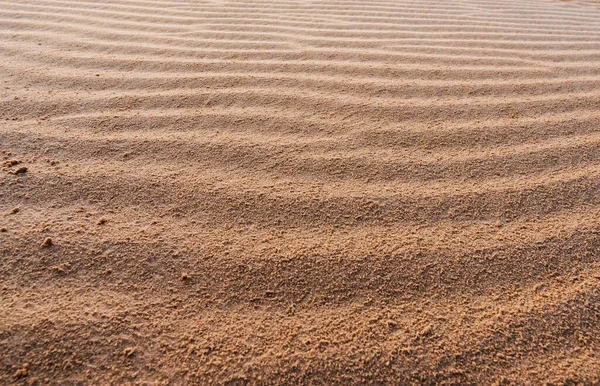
<point x="299" y="192"/>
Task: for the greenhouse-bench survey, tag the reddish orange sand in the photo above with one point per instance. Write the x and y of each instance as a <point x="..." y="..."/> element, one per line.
<point x="299" y="192"/>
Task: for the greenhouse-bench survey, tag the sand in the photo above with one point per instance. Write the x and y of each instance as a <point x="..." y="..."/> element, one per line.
<point x="299" y="192"/>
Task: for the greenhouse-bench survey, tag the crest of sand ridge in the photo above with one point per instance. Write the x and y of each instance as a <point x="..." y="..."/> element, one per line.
<point x="300" y="191"/>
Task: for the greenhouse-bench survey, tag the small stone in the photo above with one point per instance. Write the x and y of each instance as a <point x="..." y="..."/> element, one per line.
<point x="428" y="330"/>
<point x="21" y="170"/>
<point x="47" y="243"/>
<point x="22" y="372"/>
<point x="128" y="352"/>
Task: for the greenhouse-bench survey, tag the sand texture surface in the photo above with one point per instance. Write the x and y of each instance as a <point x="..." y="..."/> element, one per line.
<point x="299" y="192"/>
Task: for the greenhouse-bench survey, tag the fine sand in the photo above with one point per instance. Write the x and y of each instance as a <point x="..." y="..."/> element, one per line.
<point x="299" y="192"/>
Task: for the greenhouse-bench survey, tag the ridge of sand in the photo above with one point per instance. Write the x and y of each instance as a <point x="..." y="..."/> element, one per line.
<point x="299" y="192"/>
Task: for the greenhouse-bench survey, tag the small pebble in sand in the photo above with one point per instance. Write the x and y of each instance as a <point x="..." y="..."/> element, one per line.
<point x="20" y="373"/>
<point x="428" y="330"/>
<point x="21" y="170"/>
<point x="128" y="352"/>
<point x="3" y="230"/>
<point x="185" y="276"/>
<point x="102" y="221"/>
<point x="47" y="243"/>
<point x="15" y="210"/>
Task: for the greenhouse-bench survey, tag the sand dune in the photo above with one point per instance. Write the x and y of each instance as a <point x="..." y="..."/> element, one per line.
<point x="300" y="192"/>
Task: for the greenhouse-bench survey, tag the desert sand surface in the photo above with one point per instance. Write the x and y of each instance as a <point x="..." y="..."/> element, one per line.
<point x="299" y="192"/>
